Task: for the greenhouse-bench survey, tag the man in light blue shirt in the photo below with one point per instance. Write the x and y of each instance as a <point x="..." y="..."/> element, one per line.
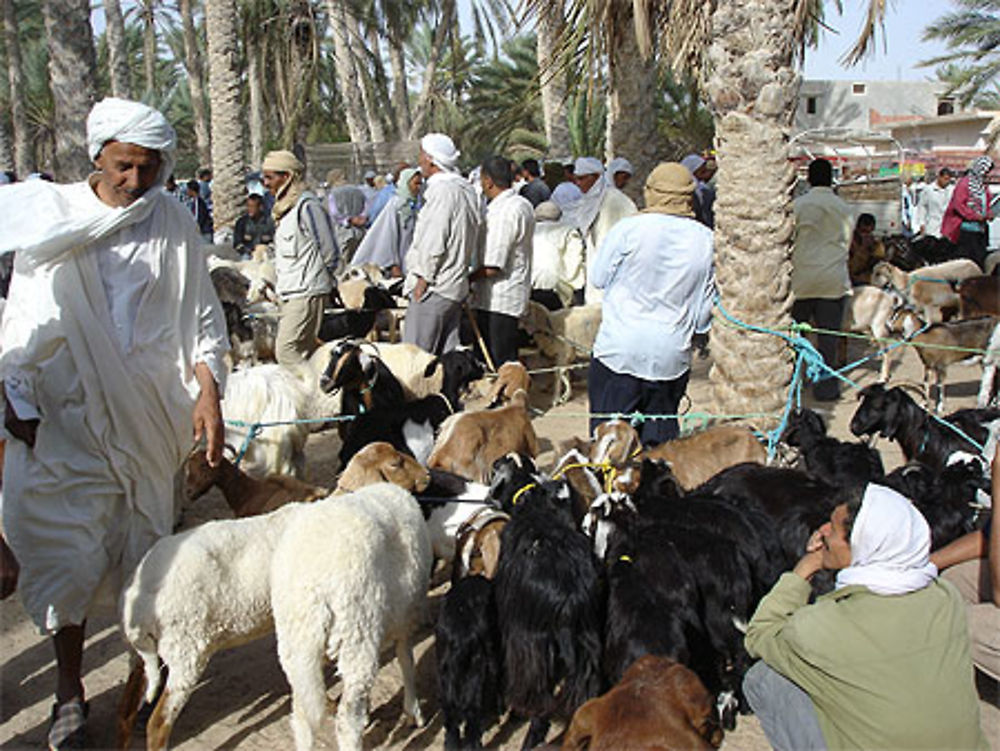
<point x="659" y="285"/>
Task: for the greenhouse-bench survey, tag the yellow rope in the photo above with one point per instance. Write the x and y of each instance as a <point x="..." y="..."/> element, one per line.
<point x="522" y="491"/>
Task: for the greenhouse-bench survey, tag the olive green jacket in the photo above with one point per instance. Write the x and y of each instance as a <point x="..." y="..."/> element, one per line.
<point x="884" y="672"/>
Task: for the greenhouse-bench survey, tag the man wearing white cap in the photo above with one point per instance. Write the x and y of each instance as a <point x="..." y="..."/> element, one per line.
<point x="701" y="170"/>
<point x="883" y="660"/>
<point x="113" y="341"/>
<point x="598" y="210"/>
<point x="367" y="185"/>
<point x="445" y="239"/>
<point x="619" y="172"/>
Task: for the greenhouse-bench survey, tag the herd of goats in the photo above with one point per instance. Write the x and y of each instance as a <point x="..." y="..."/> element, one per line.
<point x="610" y="591"/>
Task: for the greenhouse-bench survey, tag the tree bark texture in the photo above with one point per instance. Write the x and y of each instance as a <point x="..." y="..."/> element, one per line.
<point x="552" y="81"/>
<point x="196" y="83"/>
<point x="752" y="87"/>
<point x="255" y="87"/>
<point x="400" y="94"/>
<point x="354" y="112"/>
<point x="632" y="127"/>
<point x="226" y="117"/>
<point x="148" y="15"/>
<point x="72" y="67"/>
<point x="121" y="84"/>
<point x="420" y="112"/>
<point x="24" y="155"/>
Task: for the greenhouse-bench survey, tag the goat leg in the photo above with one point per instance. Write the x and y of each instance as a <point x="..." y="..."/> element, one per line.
<point x="537" y="731"/>
<point x="128" y="707"/>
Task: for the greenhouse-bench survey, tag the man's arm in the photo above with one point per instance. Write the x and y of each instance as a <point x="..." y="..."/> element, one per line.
<point x="430" y="236"/>
<point x="207" y="416"/>
<point x="24" y="429"/>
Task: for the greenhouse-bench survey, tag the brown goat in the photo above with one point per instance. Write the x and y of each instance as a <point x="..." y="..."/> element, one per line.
<point x="470" y="442"/>
<point x="511" y="377"/>
<point x="659" y="705"/>
<point x="381" y="462"/>
<point x="246" y="495"/>
<point x="477" y="544"/>
<point x="700" y="456"/>
<point x="945" y="344"/>
<point x="979" y="296"/>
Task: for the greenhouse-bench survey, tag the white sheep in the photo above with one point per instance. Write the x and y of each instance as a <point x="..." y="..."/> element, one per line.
<point x="347" y="577"/>
<point x="193" y="594"/>
<point x="564" y="337"/>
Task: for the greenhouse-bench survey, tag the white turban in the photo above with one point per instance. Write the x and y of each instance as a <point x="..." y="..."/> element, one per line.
<point x="441" y="149"/>
<point x="565" y="194"/>
<point x="114" y="119"/>
<point x="548" y="211"/>
<point x="693" y="162"/>
<point x="890" y="545"/>
<point x="587" y="165"/>
<point x="620" y="164"/>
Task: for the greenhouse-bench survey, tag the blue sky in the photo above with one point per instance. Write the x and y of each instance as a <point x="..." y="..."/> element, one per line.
<point x="897" y="60"/>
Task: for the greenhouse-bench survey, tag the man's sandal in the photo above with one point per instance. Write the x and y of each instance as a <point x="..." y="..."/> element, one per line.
<point x="69" y="725"/>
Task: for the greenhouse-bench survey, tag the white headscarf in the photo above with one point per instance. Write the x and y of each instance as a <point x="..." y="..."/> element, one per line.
<point x="565" y="194"/>
<point x="441" y="149"/>
<point x="583" y="213"/>
<point x="73" y="218"/>
<point x="890" y="545"/>
<point x="618" y="164"/>
<point x="114" y="119"/>
<point x="693" y="162"/>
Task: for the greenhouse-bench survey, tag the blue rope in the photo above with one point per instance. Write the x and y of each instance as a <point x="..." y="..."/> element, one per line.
<point x="254" y="429"/>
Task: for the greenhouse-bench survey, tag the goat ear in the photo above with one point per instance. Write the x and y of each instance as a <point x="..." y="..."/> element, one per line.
<point x="348" y="368"/>
<point x="431" y="367"/>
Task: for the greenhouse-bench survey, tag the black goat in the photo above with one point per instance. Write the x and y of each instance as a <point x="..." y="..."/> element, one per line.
<point x="947" y="499"/>
<point x="459" y="367"/>
<point x="837" y="463"/>
<point x="549" y="596"/>
<point x="366" y="383"/>
<point x="467" y="647"/>
<point x="894" y="415"/>
<point x="409" y="427"/>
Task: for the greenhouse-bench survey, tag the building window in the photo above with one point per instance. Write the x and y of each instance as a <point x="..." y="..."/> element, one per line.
<point x="811" y="105"/>
<point x="946" y="106"/>
<point x="859" y="88"/>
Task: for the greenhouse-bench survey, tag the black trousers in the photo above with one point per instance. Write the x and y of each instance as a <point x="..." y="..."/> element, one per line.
<point x="972" y="245"/>
<point x="824" y="314"/>
<point x="501" y="335"/>
<point x="612" y="392"/>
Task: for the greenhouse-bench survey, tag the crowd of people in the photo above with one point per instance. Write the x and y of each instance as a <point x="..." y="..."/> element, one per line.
<point x="113" y="345"/>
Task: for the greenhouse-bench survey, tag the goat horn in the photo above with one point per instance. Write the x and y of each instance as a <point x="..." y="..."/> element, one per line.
<point x="913" y="386"/>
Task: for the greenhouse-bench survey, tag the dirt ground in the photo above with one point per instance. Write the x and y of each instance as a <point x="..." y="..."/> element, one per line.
<point x="243" y="701"/>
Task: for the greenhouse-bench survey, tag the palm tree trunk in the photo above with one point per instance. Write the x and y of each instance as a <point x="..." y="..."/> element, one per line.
<point x="380" y="86"/>
<point x="632" y="128"/>
<point x="354" y="112"/>
<point x="552" y="81"/>
<point x="149" y="46"/>
<point x="6" y="150"/>
<point x="445" y="23"/>
<point x="196" y="83"/>
<point x="24" y="158"/>
<point x="400" y="94"/>
<point x="753" y="97"/>
<point x="121" y="85"/>
<point x="368" y="96"/>
<point x="72" y="67"/>
<point x="255" y="88"/>
<point x="224" y="94"/>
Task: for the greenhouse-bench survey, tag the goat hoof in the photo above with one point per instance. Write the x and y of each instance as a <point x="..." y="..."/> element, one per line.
<point x="416" y="718"/>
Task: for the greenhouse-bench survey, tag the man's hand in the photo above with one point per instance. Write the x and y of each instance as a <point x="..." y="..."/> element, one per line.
<point x="207" y="417"/>
<point x="419" y="289"/>
<point x="9" y="570"/>
<point x="812" y="561"/>
<point x="23" y="430"/>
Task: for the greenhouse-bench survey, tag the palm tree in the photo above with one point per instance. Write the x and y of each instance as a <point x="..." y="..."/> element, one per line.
<point x="357" y="125"/>
<point x="195" y="80"/>
<point x="121" y="85"/>
<point x="552" y="78"/>
<point x="72" y="71"/>
<point x="973" y="36"/>
<point x="24" y="162"/>
<point x="446" y="24"/>
<point x="226" y="120"/>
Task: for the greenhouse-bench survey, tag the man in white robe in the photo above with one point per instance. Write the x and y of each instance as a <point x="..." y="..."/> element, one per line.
<point x="445" y="239"/>
<point x="601" y="208"/>
<point x="112" y="367"/>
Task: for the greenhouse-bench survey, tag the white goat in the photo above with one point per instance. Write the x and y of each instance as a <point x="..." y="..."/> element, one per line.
<point x="927" y="288"/>
<point x="872" y="310"/>
<point x="347" y="577"/>
<point x="564" y="337"/>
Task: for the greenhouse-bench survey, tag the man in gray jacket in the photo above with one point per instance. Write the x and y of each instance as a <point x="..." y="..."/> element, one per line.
<point x="305" y="252"/>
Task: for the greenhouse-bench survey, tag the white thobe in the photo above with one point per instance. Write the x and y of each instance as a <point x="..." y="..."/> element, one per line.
<point x="510" y="224"/>
<point x="557" y="260"/>
<point x="930" y="211"/>
<point x="100" y="341"/>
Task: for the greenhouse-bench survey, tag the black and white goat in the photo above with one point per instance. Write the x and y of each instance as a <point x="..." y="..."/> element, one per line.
<point x="894" y="415"/>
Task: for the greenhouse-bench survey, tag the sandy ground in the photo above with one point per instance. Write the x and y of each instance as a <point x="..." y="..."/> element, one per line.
<point x="243" y="702"/>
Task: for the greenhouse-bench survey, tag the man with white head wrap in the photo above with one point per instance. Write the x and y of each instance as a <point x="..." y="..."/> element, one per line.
<point x="880" y="662"/>
<point x="619" y="172"/>
<point x="600" y="208"/>
<point x="445" y="240"/>
<point x="704" y="194"/>
<point x="112" y="364"/>
<point x="557" y="259"/>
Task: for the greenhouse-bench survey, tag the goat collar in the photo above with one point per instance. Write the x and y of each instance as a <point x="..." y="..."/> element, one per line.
<point x="522" y="491"/>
